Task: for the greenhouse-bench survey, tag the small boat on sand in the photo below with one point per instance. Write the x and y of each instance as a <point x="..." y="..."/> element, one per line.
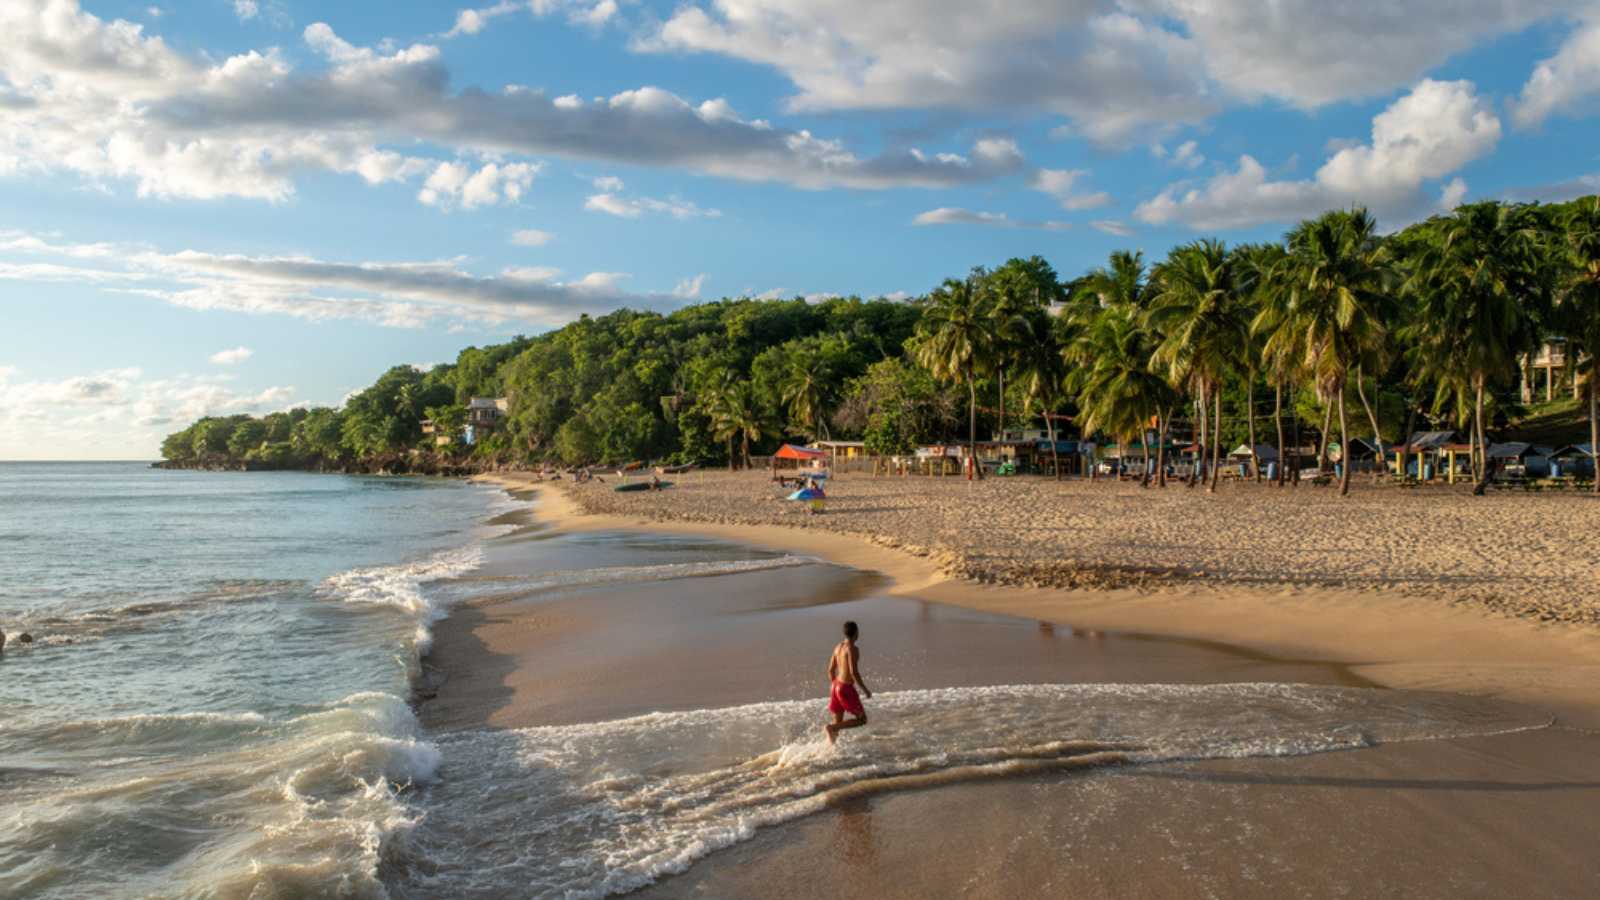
<point x="640" y="486"/>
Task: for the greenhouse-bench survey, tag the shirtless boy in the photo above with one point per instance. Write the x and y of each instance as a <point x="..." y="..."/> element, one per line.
<point x="844" y="672"/>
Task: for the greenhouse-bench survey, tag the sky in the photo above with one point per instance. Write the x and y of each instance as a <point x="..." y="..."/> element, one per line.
<point x="224" y="206"/>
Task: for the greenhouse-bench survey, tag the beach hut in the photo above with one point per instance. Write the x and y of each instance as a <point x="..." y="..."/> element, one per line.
<point x="1573" y="461"/>
<point x="1426" y="453"/>
<point x="1239" y="459"/>
<point x="1519" y="459"/>
<point x="842" y="454"/>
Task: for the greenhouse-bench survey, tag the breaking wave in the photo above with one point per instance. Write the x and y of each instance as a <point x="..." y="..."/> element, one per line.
<point x="598" y="809"/>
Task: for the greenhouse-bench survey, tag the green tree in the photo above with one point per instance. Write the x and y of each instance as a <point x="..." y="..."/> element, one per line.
<point x="956" y="342"/>
<point x="1042" y="370"/>
<point x="738" y="414"/>
<point x="1578" y="312"/>
<point x="1479" y="289"/>
<point x="1197" y="314"/>
<point x="1119" y="392"/>
<point x="1334" y="312"/>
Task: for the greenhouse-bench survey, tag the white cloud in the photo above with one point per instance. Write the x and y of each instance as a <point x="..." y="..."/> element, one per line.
<point x="950" y="215"/>
<point x="1429" y="133"/>
<point x="591" y="13"/>
<point x="1115" y="69"/>
<point x="1110" y="72"/>
<point x="113" y="104"/>
<point x="1059" y="183"/>
<point x="1112" y="226"/>
<point x="635" y="207"/>
<point x="689" y="288"/>
<point x="115" y="413"/>
<point x="455" y="184"/>
<point x="1187" y="156"/>
<point x="232" y="357"/>
<point x="246" y="9"/>
<point x="609" y="184"/>
<point x="404" y="294"/>
<point x="1314" y="52"/>
<point x="1566" y="82"/>
<point x="531" y="237"/>
<point x="1558" y="191"/>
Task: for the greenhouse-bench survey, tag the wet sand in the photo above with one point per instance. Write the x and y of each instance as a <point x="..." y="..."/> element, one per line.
<point x="1485" y="816"/>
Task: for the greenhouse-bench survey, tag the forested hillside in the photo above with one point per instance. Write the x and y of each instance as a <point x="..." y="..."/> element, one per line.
<point x="1335" y="329"/>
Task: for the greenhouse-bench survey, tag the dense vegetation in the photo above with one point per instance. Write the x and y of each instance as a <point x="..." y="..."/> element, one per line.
<point x="1335" y="322"/>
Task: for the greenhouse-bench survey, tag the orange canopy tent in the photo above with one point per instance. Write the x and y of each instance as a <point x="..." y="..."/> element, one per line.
<point x="790" y="451"/>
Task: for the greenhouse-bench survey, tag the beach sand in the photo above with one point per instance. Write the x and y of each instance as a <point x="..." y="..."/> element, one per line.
<point x="1511" y="814"/>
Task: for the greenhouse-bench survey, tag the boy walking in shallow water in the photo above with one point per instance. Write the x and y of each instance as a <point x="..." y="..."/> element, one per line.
<point x="844" y="673"/>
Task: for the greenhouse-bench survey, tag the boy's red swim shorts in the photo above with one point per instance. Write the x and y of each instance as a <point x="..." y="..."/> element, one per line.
<point x="845" y="700"/>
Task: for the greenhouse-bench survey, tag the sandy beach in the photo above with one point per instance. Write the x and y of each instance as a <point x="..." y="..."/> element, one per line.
<point x="1484" y="814"/>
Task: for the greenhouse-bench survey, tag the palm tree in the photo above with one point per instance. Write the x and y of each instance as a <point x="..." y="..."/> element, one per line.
<point x="1118" y="393"/>
<point x="1196" y="310"/>
<point x="737" y="413"/>
<point x="956" y="342"/>
<point x="1123" y="281"/>
<point x="1042" y="369"/>
<point x="1279" y="349"/>
<point x="1578" y="315"/>
<point x="808" y="387"/>
<point x="1339" y="284"/>
<point x="1478" y="289"/>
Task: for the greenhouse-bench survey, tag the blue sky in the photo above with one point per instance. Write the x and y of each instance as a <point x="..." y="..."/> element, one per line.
<point x="220" y="206"/>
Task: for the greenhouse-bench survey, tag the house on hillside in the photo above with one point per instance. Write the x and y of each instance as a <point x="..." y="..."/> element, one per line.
<point x="1558" y="373"/>
<point x="441" y="438"/>
<point x="484" y="415"/>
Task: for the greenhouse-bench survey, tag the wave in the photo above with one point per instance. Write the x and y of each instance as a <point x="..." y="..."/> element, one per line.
<point x="606" y="808"/>
<point x="400" y="587"/>
<point x="309" y="805"/>
<point x="521" y="585"/>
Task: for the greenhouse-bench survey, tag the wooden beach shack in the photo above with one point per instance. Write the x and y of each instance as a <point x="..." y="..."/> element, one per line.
<point x="843" y="455"/>
<point x="1573" y="461"/>
<point x="1518" y="460"/>
<point x="1426" y="454"/>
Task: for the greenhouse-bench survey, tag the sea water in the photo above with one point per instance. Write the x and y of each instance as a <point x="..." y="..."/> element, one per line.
<point x="216" y="703"/>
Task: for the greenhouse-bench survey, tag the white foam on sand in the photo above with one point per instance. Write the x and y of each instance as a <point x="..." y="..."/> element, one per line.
<point x="605" y="808"/>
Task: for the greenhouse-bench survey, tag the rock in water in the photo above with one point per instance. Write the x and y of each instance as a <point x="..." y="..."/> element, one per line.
<point x="25" y="638"/>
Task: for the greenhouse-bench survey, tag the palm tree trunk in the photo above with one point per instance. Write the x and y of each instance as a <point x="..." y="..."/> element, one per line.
<point x="1594" y="420"/>
<point x="1250" y="401"/>
<point x="972" y="426"/>
<point x="731" y="458"/>
<point x="1344" y="451"/>
<point x="1055" y="453"/>
<point x="1164" y="419"/>
<point x="1277" y="419"/>
<point x="1327" y="423"/>
<point x="1482" y="487"/>
<point x="745" y="446"/>
<point x="1377" y="438"/>
<point x="1144" y="446"/>
<point x="1405" y="444"/>
<point x="1002" y="428"/>
<point x="1216" y="441"/>
<point x="1200" y="443"/>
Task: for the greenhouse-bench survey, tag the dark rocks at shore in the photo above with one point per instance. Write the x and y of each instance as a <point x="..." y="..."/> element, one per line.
<point x="392" y="465"/>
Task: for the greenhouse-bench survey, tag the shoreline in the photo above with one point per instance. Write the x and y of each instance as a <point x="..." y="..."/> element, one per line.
<point x="1393" y="640"/>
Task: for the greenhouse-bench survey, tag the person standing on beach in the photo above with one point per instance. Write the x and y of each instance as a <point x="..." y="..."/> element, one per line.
<point x="844" y="673"/>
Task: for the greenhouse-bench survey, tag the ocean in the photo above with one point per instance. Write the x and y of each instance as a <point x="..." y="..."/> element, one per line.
<point x="216" y="697"/>
<point x="221" y="698"/>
